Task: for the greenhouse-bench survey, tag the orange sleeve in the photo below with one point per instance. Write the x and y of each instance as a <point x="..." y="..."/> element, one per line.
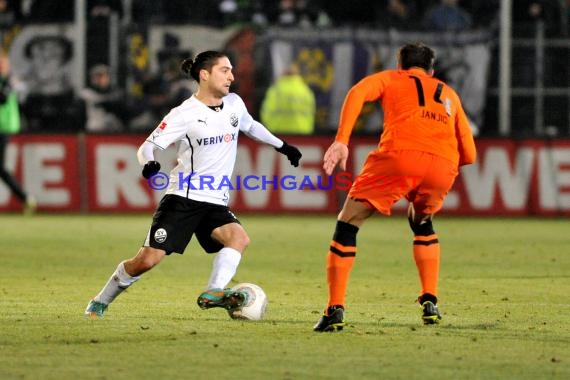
<point x="368" y="89"/>
<point x="465" y="141"/>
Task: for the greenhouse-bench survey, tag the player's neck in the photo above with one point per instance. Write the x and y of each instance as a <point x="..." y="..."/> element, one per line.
<point x="208" y="99"/>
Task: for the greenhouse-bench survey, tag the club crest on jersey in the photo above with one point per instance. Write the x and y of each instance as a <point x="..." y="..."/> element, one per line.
<point x="447" y="105"/>
<point x="234" y="120"/>
<point x="160" y="235"/>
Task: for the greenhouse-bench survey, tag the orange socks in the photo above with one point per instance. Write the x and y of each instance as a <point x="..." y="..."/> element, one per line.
<point x="426" y="255"/>
<point x="340" y="259"/>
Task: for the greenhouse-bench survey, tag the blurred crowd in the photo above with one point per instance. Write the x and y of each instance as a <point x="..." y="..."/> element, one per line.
<point x="408" y="14"/>
<point x="103" y="106"/>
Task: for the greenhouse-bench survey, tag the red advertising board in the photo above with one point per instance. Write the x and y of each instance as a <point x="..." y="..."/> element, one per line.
<point x="100" y="173"/>
<point x="47" y="166"/>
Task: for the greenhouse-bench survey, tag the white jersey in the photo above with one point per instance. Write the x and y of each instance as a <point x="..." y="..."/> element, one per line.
<point x="206" y="141"/>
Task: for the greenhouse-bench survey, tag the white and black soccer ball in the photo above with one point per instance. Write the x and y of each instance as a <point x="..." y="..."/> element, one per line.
<point x="256" y="303"/>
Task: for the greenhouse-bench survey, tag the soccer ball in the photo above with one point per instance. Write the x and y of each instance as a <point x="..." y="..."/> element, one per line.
<point x="255" y="306"/>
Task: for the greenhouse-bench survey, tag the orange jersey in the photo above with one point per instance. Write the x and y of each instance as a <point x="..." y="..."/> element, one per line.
<point x="420" y="113"/>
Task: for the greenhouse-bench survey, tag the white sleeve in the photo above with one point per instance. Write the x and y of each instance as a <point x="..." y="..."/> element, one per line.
<point x="146" y="152"/>
<point x="258" y="132"/>
<point x="255" y="129"/>
<point x="171" y="129"/>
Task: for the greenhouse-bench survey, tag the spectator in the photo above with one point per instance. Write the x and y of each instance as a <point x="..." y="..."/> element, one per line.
<point x="10" y="13"/>
<point x="300" y="13"/>
<point x="104" y="8"/>
<point x="162" y="91"/>
<point x="104" y="105"/>
<point x="526" y="14"/>
<point x="397" y="14"/>
<point x="10" y="124"/>
<point x="289" y="105"/>
<point x="447" y="16"/>
<point x="242" y="12"/>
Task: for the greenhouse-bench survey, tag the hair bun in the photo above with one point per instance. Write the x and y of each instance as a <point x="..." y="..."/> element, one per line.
<point x="186" y="65"/>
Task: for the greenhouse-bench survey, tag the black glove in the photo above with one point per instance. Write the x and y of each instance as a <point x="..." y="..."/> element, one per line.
<point x="150" y="168"/>
<point x="293" y="154"/>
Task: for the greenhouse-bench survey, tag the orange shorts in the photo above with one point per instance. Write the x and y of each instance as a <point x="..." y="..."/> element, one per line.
<point x="423" y="178"/>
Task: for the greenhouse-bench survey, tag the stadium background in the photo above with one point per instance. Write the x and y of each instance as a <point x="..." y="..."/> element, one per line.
<point x="524" y="159"/>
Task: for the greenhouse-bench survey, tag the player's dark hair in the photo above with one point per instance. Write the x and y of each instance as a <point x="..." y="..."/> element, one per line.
<point x="416" y="55"/>
<point x="203" y="61"/>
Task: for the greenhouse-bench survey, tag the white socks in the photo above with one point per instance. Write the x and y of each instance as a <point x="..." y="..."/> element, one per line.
<point x="224" y="268"/>
<point x="119" y="281"/>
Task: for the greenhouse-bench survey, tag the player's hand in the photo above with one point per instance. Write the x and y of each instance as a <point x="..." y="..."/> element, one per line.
<point x="293" y="154"/>
<point x="150" y="168"/>
<point x="336" y="154"/>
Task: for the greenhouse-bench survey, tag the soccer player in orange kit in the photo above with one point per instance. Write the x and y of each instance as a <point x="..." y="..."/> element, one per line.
<point x="426" y="139"/>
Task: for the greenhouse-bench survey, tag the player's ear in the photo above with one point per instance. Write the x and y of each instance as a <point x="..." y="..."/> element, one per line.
<point x="204" y="74"/>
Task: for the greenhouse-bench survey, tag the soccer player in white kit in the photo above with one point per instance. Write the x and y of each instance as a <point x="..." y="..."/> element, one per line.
<point x="205" y="130"/>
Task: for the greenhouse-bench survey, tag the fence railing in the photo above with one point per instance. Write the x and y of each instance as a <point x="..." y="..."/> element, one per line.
<point x="540" y="87"/>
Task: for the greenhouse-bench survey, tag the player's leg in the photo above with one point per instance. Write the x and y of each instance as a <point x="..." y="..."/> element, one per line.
<point x="172" y="227"/>
<point x="222" y="234"/>
<point x="234" y="240"/>
<point x="426" y="250"/>
<point x="6" y="177"/>
<point x="126" y="274"/>
<point x="378" y="187"/>
<point x="426" y="200"/>
<point x="340" y="260"/>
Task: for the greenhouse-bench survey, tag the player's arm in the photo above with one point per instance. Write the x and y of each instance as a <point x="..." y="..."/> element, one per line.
<point x="170" y="129"/>
<point x="258" y="132"/>
<point x="145" y="155"/>
<point x="465" y="141"/>
<point x="368" y="89"/>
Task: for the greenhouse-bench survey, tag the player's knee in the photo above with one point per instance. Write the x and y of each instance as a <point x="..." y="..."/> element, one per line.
<point x="240" y="241"/>
<point x="147" y="258"/>
<point x="244" y="241"/>
<point x="345" y="233"/>
<point x="423" y="228"/>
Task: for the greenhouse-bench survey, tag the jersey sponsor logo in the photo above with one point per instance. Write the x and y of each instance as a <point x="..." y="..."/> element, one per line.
<point x="162" y="125"/>
<point x="226" y="138"/>
<point x="234" y="120"/>
<point x="160" y="235"/>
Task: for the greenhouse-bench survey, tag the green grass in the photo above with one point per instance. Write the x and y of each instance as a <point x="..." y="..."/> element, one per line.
<point x="504" y="294"/>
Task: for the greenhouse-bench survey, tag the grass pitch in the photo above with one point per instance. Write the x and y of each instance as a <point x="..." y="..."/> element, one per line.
<point x="504" y="294"/>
